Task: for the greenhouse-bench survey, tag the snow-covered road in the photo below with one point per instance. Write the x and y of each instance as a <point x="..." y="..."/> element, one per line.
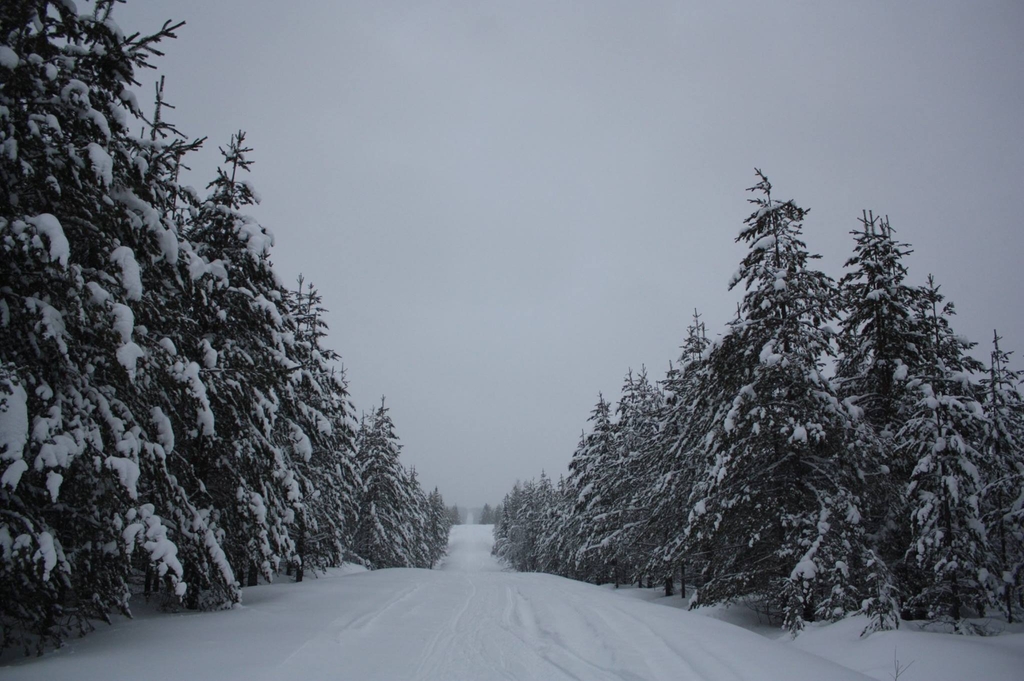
<point x="468" y="621"/>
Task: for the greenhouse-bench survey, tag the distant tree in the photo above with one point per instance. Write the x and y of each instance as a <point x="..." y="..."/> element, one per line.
<point x="385" y="535"/>
<point x="590" y="476"/>
<point x="438" y="528"/>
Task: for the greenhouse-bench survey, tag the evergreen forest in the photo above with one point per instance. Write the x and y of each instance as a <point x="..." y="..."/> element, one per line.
<point x="836" y="449"/>
<point x="172" y="422"/>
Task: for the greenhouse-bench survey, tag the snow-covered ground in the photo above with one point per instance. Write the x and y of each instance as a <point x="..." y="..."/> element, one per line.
<point x="471" y="621"/>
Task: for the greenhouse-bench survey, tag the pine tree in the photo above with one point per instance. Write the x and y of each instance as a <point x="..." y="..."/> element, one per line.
<point x="1003" y="498"/>
<point x="320" y="424"/>
<point x="880" y="342"/>
<point x="943" y="435"/>
<point x="386" y="534"/>
<point x="638" y="459"/>
<point x="439" y="526"/>
<point x="673" y="461"/>
<point x="780" y="520"/>
<point x="237" y="358"/>
<point x="90" y="259"/>
<point x="589" y="478"/>
<point x="881" y="347"/>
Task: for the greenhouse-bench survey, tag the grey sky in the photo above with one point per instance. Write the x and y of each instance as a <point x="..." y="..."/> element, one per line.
<point x="508" y="204"/>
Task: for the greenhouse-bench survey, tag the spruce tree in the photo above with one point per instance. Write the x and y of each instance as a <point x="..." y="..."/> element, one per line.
<point x="943" y="435"/>
<point x="679" y="458"/>
<point x="386" y="535"/>
<point x="320" y="431"/>
<point x="1003" y="498"/>
<point x="637" y="462"/>
<point x="90" y="258"/>
<point x="590" y="479"/>
<point x="780" y="521"/>
<point x="240" y="359"/>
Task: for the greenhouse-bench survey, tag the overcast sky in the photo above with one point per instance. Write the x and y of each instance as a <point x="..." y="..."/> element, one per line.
<point x="506" y="205"/>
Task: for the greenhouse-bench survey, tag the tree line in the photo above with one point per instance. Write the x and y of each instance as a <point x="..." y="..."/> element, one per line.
<point x="835" y="450"/>
<point x="172" y="421"/>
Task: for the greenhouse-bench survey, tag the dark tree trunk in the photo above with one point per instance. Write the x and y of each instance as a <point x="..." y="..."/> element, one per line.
<point x="147" y="589"/>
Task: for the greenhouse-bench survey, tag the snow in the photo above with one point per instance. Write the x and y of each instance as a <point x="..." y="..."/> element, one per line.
<point x="799" y="434"/>
<point x="210" y="355"/>
<point x="53" y="482"/>
<point x="12" y="474"/>
<point x="470" y="619"/>
<point x="204" y="417"/>
<point x="97" y="294"/>
<point x="50" y="227"/>
<point x="164" y="429"/>
<point x="8" y="58"/>
<point x="128" y="355"/>
<point x="467" y="620"/>
<point x="13" y="421"/>
<point x="924" y="655"/>
<point x="127" y="471"/>
<point x="303" y="447"/>
<point x="46" y="553"/>
<point x="258" y="239"/>
<point x="102" y="164"/>
<point x="124" y="321"/>
<point x="131" y="278"/>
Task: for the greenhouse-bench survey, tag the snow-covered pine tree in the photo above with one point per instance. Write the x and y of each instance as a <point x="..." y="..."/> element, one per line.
<point x="943" y="435"/>
<point x="160" y="388"/>
<point x="238" y="357"/>
<point x="627" y="529"/>
<point x="320" y="421"/>
<point x="552" y="509"/>
<point x="385" y="536"/>
<point x="590" y="477"/>
<point x="1003" y="498"/>
<point x="880" y="344"/>
<point x="88" y="259"/>
<point x="439" y="526"/>
<point x="682" y="460"/>
<point x="417" y="518"/>
<point x="526" y="515"/>
<point x="880" y="348"/>
<point x="503" y="529"/>
<point x="780" y="520"/>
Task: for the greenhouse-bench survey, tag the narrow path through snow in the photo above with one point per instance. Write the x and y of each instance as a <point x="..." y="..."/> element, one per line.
<point x="467" y="621"/>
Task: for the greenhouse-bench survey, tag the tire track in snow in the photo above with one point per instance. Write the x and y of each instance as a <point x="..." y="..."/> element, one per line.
<point x="363" y="622"/>
<point x="448" y="634"/>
